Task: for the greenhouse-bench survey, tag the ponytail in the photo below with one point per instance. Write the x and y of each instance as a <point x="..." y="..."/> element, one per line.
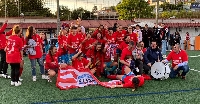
<point x="135" y="82"/>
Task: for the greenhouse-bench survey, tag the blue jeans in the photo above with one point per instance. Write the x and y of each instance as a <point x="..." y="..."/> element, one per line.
<point x="33" y="66"/>
<point x="129" y="74"/>
<point x="64" y="58"/>
<point x="164" y="44"/>
<point x="173" y="72"/>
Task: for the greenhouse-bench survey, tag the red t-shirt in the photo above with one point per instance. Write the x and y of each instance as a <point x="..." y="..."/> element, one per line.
<point x="86" y="44"/>
<point x="187" y="37"/>
<point x="82" y="36"/>
<point x="123" y="45"/>
<point x="125" y="52"/>
<point x="62" y="40"/>
<point x="54" y="59"/>
<point x="3" y="36"/>
<point x="38" y="49"/>
<point x="80" y="64"/>
<point x="134" y="38"/>
<point x="119" y="36"/>
<point x="95" y="56"/>
<point x="177" y="57"/>
<point x="13" y="48"/>
<point x="128" y="82"/>
<point x="144" y="50"/>
<point x="103" y="33"/>
<point x="74" y="41"/>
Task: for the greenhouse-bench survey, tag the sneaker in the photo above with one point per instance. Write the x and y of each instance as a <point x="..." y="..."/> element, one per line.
<point x="6" y="76"/>
<point x="183" y="77"/>
<point x="1" y="75"/>
<point x="49" y="80"/>
<point x="18" y="83"/>
<point x="34" y="78"/>
<point x="12" y="83"/>
<point x="44" y="77"/>
<point x="20" y="79"/>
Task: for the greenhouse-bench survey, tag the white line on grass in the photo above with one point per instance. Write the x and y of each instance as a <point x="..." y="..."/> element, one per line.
<point x="195" y="70"/>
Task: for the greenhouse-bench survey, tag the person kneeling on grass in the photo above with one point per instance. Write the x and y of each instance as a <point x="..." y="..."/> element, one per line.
<point x="51" y="64"/>
<point x="179" y="62"/>
<point x="130" y="80"/>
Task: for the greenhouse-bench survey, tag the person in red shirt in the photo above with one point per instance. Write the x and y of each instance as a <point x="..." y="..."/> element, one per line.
<point x="96" y="57"/>
<point x="35" y="38"/>
<point x="62" y="41"/>
<point x="3" y="63"/>
<point x="101" y="39"/>
<point x="22" y="62"/>
<point x="142" y="46"/>
<point x="79" y="62"/>
<point x="133" y="36"/>
<point x="87" y="43"/>
<point x="129" y="80"/>
<point x="51" y="64"/>
<point x="109" y="36"/>
<point x="14" y="54"/>
<point x="179" y="62"/>
<point x="99" y="30"/>
<point x="124" y="44"/>
<point x="126" y="52"/>
<point x="119" y="35"/>
<point x="73" y="42"/>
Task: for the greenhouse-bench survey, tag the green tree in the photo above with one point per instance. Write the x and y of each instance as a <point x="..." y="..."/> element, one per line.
<point x="80" y="12"/>
<point x="12" y="9"/>
<point x="28" y="7"/>
<point x="64" y="13"/>
<point x="129" y="9"/>
<point x="34" y="8"/>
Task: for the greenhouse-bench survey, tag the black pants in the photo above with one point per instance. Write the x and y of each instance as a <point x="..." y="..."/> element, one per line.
<point x="139" y="64"/>
<point x="3" y="63"/>
<point x="146" y="69"/>
<point x="15" y="71"/>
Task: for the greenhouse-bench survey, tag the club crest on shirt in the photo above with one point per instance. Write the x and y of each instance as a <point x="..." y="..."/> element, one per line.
<point x="179" y="57"/>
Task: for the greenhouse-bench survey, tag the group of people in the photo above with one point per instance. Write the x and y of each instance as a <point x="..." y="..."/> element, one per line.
<point x="113" y="52"/>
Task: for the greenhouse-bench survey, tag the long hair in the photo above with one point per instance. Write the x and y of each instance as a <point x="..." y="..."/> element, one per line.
<point x="51" y="52"/>
<point x="29" y="32"/>
<point x="135" y="82"/>
<point x="45" y="39"/>
<point x="16" y="29"/>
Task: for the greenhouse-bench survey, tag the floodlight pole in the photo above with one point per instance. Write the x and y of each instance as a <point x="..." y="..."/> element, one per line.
<point x="5" y="8"/>
<point x="58" y="18"/>
<point x="157" y="11"/>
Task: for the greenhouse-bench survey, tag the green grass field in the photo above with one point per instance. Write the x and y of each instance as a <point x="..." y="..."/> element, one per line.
<point x="170" y="91"/>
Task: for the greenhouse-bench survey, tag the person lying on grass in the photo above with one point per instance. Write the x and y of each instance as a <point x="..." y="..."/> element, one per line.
<point x="130" y="80"/>
<point x="51" y="64"/>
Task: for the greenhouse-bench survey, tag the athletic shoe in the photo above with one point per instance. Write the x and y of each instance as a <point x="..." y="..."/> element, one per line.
<point x="164" y="56"/>
<point x="12" y="83"/>
<point x="1" y="75"/>
<point x="183" y="77"/>
<point x="34" y="78"/>
<point x="20" y="79"/>
<point x="6" y="76"/>
<point x="18" y="83"/>
<point x="44" y="77"/>
<point x="48" y="79"/>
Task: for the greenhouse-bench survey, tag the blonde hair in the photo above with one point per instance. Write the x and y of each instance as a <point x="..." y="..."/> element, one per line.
<point x="16" y="29"/>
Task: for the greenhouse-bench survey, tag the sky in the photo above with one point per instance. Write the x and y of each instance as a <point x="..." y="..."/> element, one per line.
<point x="86" y="4"/>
